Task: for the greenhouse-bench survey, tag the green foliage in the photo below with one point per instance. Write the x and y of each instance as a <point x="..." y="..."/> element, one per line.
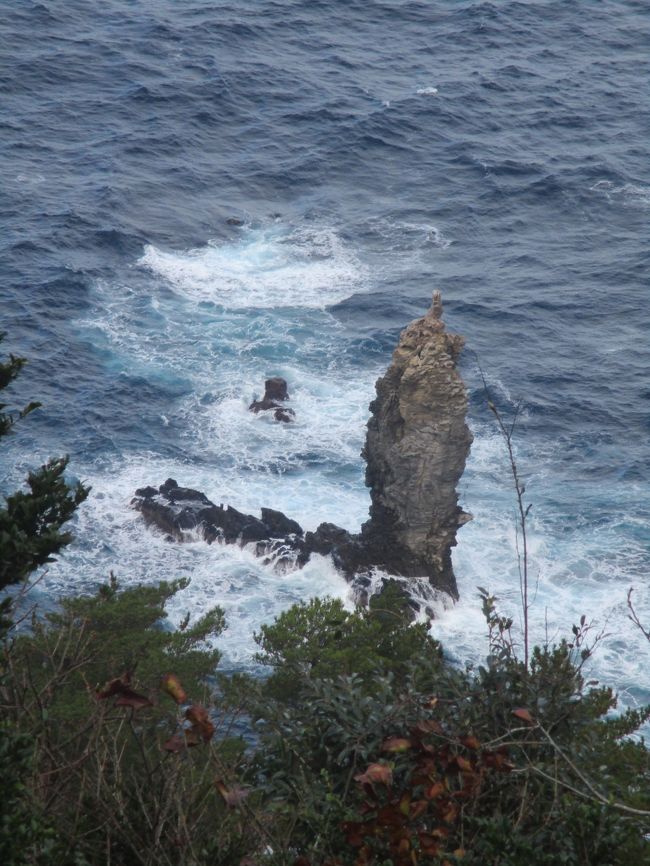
<point x="9" y="371"/>
<point x="30" y="534"/>
<point x="320" y="639"/>
<point x="91" y="640"/>
<point x="30" y="522"/>
<point x="403" y="764"/>
<point x="25" y="835"/>
<point x="109" y="700"/>
<point x="547" y="777"/>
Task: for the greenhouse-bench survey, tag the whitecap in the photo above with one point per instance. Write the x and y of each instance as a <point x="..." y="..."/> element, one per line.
<point x="426" y="91"/>
<point x="264" y="268"/>
<point x="636" y="194"/>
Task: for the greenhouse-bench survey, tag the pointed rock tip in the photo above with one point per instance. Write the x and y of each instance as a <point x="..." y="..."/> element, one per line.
<point x="435" y="310"/>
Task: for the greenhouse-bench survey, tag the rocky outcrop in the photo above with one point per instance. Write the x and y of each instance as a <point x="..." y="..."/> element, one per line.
<point x="183" y="513"/>
<point x="275" y="393"/>
<point x="416" y="447"/>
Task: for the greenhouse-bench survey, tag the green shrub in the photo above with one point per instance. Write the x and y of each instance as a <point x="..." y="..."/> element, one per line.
<point x="320" y="639"/>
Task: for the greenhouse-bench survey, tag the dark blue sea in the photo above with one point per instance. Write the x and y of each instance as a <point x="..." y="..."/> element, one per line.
<point x="197" y="195"/>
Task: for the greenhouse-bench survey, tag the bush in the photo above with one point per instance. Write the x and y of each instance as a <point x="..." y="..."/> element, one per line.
<point x="30" y="534"/>
<point x="320" y="640"/>
<point x="103" y="690"/>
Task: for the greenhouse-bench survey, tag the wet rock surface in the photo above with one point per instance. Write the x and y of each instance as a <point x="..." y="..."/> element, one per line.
<point x="275" y="393"/>
<point x="183" y="513"/>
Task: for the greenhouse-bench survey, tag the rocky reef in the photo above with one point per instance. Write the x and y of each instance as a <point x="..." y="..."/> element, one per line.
<point x="416" y="446"/>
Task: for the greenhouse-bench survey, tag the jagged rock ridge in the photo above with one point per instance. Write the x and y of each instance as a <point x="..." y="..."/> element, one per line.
<point x="416" y="447"/>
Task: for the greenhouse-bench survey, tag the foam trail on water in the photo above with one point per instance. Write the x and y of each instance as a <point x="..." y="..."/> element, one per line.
<point x="266" y="267"/>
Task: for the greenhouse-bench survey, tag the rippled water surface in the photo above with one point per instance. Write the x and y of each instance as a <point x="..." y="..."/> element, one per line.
<point x="199" y="195"/>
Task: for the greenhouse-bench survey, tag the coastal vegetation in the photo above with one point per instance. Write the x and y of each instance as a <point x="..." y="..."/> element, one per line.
<point x="119" y="744"/>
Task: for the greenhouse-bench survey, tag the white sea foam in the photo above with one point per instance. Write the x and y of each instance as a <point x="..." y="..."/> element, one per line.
<point x="426" y="91"/>
<point x="431" y="233"/>
<point x="632" y="193"/>
<point x="573" y="570"/>
<point x="271" y="267"/>
<point x="406" y="236"/>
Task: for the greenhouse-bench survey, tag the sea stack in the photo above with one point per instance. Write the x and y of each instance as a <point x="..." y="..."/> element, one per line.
<point x="416" y="447"/>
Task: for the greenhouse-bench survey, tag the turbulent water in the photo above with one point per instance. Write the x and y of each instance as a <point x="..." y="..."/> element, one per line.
<point x="372" y="151"/>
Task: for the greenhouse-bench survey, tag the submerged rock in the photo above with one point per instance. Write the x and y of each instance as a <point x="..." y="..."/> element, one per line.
<point x="416" y="446"/>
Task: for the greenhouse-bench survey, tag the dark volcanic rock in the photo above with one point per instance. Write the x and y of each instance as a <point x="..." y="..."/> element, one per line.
<point x="275" y="393"/>
<point x="416" y="447"/>
<point x="285" y="415"/>
<point x="276" y="389"/>
<point x="278" y="524"/>
<point x="331" y="540"/>
<point x="177" y="510"/>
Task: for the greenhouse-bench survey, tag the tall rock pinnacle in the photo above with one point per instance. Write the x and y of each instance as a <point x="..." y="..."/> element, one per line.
<point x="416" y="447"/>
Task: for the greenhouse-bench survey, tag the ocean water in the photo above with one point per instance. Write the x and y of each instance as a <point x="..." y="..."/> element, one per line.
<point x="199" y="195"/>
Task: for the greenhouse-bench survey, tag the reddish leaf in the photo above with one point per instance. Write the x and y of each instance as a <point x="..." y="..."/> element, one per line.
<point x="233" y="796"/>
<point x="418" y="808"/>
<point x="184" y="739"/>
<point x="114" y="687"/>
<point x="429" y="844"/>
<point x="175" y="743"/>
<point x="524" y="715"/>
<point x="171" y="685"/>
<point x="376" y="773"/>
<point x="129" y="698"/>
<point x="354" y="833"/>
<point x="201" y="724"/>
<point x="450" y="813"/>
<point x="404" y="846"/>
<point x="396" y="744"/>
<point x="463" y="764"/>
<point x="364" y="856"/>
<point x="390" y="816"/>
<point x="126" y="696"/>
<point x="470" y="742"/>
<point x="436" y="790"/>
